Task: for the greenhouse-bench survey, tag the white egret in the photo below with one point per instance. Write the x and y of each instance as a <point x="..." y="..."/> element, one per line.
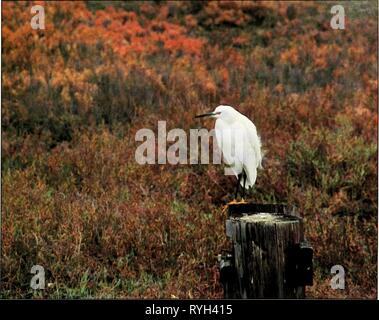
<point x="237" y="138"/>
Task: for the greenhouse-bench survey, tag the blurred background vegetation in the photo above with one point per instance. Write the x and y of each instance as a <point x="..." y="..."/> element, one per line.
<point x="75" y="201"/>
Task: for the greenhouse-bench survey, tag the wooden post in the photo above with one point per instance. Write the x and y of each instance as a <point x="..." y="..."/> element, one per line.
<point x="269" y="258"/>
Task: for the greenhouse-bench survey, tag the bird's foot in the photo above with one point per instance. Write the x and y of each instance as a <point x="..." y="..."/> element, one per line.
<point x="235" y="201"/>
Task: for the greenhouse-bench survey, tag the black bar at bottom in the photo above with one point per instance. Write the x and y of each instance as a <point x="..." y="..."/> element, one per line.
<point x="187" y="309"/>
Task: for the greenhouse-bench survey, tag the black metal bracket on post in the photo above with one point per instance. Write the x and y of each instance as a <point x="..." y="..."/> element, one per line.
<point x="300" y="265"/>
<point x="227" y="274"/>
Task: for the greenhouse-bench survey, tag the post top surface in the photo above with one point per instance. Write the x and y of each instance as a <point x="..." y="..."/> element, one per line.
<point x="250" y="208"/>
<point x="268" y="217"/>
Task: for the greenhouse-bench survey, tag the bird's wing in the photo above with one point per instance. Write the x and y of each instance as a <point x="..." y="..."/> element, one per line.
<point x="250" y="165"/>
<point x="254" y="140"/>
<point x="246" y="152"/>
<point x="225" y="141"/>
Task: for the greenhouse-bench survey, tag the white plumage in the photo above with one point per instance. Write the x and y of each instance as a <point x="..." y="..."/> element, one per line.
<point x="239" y="142"/>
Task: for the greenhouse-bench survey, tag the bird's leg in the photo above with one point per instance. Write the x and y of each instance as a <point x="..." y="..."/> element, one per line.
<point x="244" y="183"/>
<point x="238" y="185"/>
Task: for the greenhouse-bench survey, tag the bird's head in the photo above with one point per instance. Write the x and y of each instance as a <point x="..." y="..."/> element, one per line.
<point x="220" y="112"/>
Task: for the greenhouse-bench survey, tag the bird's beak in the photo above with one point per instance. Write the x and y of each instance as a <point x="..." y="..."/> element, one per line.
<point x="208" y="114"/>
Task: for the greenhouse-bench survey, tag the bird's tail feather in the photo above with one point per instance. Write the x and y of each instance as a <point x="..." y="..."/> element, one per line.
<point x="251" y="176"/>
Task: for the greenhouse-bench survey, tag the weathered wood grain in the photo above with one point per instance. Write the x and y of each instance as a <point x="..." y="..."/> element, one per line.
<point x="264" y="255"/>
